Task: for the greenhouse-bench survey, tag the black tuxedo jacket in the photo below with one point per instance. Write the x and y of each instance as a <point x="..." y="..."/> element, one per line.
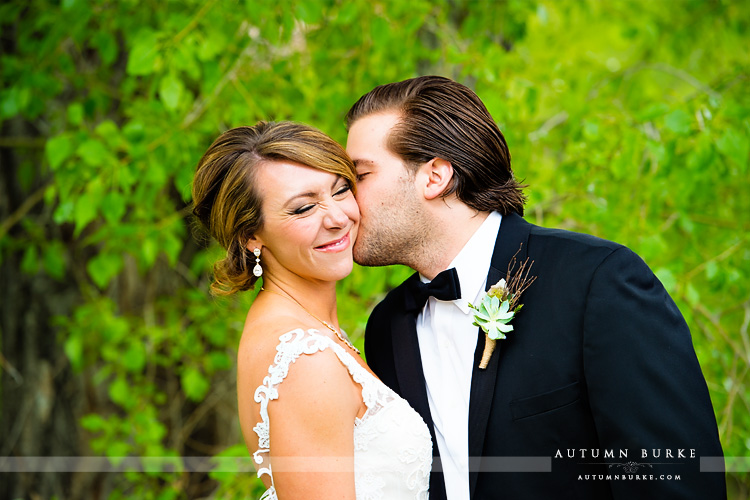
<point x="600" y="361"/>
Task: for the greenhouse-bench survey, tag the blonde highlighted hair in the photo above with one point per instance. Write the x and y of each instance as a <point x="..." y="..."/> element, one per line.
<point x="226" y="200"/>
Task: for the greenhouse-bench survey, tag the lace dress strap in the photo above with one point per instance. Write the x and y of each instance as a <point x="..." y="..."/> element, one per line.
<point x="291" y="346"/>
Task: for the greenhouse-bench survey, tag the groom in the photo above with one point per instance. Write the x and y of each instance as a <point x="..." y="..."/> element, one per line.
<point x="595" y="394"/>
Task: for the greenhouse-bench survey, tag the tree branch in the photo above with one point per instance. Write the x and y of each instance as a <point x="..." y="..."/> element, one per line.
<point x="200" y="14"/>
<point x="25" y="207"/>
<point x="22" y="142"/>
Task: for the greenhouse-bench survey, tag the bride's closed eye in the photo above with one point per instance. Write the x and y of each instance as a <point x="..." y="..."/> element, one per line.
<point x="305" y="208"/>
<point x="340" y="192"/>
<point x="343" y="190"/>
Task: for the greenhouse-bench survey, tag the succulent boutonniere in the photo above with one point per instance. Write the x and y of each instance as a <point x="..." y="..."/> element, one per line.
<point x="500" y="304"/>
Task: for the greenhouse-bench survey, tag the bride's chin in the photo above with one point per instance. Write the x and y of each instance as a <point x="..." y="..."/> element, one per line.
<point x="343" y="270"/>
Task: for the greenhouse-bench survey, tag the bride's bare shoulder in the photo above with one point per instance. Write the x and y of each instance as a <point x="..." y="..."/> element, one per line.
<point x="262" y="332"/>
<point x="319" y="376"/>
<point x="258" y="347"/>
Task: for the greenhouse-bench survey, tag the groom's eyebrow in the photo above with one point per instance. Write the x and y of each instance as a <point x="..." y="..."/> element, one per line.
<point x="360" y="163"/>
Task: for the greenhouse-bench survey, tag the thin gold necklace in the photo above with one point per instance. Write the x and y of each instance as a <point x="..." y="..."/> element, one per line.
<point x="326" y="323"/>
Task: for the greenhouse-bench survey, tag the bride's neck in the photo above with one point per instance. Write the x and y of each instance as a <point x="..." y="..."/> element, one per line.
<point x="316" y="298"/>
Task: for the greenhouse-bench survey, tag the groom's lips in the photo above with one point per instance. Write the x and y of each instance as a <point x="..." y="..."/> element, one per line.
<point x="335" y="245"/>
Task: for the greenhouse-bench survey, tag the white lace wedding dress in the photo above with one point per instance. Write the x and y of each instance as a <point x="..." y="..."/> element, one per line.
<point x="392" y="446"/>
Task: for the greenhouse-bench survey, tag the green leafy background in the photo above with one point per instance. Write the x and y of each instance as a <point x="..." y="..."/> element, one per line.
<point x="629" y="120"/>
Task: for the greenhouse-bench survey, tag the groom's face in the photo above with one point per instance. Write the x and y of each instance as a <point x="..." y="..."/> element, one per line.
<point x="391" y="209"/>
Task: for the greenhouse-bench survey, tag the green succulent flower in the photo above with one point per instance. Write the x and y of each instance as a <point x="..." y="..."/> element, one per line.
<point x="493" y="317"/>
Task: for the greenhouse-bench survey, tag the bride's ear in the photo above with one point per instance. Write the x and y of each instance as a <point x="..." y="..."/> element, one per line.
<point x="253" y="242"/>
<point x="439" y="176"/>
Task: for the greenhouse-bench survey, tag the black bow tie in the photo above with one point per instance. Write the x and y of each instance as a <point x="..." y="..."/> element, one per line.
<point x="445" y="286"/>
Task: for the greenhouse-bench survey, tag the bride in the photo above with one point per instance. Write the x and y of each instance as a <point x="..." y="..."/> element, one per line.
<point x="279" y="197"/>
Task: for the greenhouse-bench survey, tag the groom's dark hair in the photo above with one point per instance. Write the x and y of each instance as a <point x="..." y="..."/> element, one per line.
<point x="441" y="118"/>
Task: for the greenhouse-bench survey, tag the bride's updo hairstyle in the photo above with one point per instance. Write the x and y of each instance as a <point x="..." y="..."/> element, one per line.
<point x="226" y="200"/>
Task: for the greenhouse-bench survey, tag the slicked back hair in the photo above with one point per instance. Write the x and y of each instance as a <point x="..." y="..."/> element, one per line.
<point x="441" y="118"/>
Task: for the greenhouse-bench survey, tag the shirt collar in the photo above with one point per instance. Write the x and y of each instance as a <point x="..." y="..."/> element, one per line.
<point x="473" y="260"/>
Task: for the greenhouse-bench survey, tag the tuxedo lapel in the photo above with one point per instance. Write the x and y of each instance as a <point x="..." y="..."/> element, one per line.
<point x="514" y="231"/>
<point x="408" y="363"/>
<point x="412" y="387"/>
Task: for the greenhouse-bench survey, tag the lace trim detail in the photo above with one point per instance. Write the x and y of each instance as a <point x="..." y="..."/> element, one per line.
<point x="371" y="487"/>
<point x="291" y="346"/>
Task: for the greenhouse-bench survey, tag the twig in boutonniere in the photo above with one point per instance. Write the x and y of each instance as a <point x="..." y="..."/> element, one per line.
<point x="500" y="305"/>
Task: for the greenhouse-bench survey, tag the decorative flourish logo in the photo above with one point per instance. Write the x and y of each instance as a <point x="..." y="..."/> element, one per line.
<point x="631" y="467"/>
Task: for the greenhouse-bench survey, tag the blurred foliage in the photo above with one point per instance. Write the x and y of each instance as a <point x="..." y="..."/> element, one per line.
<point x="629" y="120"/>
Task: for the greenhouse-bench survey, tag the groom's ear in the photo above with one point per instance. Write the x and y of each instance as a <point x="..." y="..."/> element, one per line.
<point x="438" y="177"/>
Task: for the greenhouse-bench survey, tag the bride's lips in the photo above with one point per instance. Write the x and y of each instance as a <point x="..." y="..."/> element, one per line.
<point x="336" y="245"/>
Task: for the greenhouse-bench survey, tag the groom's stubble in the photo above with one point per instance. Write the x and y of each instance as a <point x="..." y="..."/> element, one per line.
<point x="395" y="230"/>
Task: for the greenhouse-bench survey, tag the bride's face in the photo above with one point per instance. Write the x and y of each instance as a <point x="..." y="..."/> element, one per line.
<point x="310" y="221"/>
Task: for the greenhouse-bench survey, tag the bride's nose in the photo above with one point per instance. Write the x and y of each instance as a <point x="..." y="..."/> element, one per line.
<point x="335" y="217"/>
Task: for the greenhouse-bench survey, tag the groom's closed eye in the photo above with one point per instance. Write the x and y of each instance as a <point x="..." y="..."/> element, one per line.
<point x="362" y="167"/>
<point x="362" y="173"/>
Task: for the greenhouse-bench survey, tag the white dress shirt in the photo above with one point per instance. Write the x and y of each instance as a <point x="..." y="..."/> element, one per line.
<point x="447" y="340"/>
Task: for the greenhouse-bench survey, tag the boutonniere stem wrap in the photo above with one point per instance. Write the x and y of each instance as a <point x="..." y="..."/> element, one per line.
<point x="500" y="304"/>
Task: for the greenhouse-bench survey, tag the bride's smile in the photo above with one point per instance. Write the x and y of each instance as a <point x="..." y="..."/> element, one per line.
<point x="336" y="245"/>
<point x="310" y="221"/>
